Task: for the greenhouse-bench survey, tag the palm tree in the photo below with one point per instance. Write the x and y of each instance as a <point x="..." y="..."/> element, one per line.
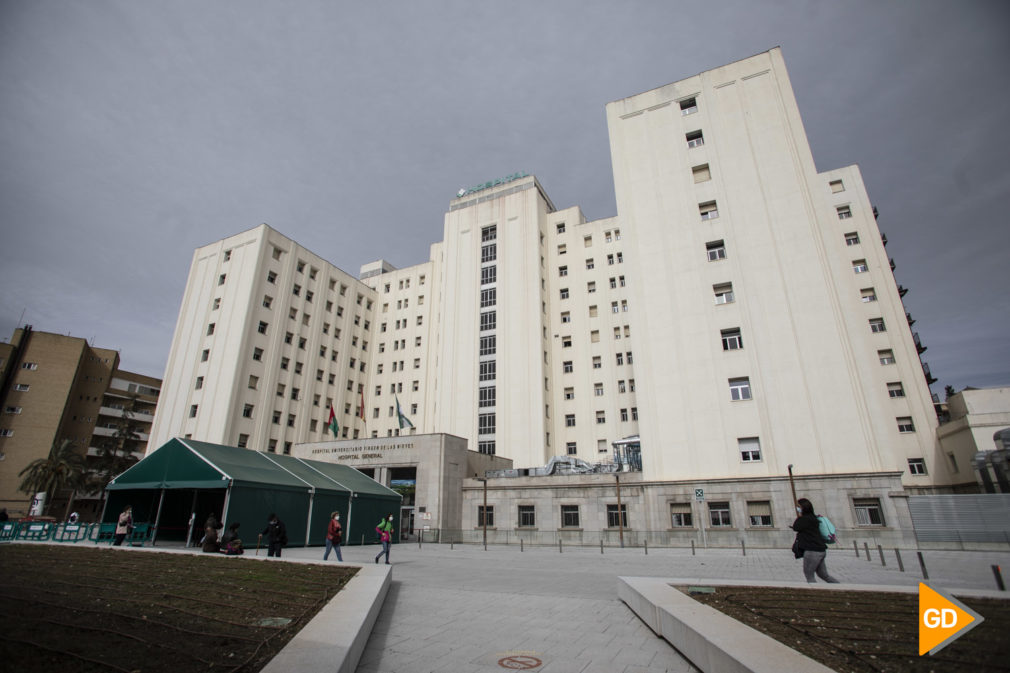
<point x="115" y="455"/>
<point x="62" y="468"/>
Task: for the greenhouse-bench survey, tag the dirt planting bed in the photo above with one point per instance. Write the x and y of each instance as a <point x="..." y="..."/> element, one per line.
<point x="865" y="632"/>
<point x="86" y="608"/>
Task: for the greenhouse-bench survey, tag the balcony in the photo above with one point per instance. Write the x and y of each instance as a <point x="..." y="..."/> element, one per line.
<point x="883" y="238"/>
<point x="902" y="290"/>
<point x="893" y="265"/>
<point x="929" y="377"/>
<point x="918" y="344"/>
<point x="909" y="318"/>
<point x="876" y="216"/>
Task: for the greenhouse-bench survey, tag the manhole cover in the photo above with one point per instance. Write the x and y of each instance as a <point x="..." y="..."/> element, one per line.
<point x="274" y="621"/>
<point x="520" y="663"/>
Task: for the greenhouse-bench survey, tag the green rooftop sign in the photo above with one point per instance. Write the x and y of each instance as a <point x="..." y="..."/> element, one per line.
<point x="491" y="183"/>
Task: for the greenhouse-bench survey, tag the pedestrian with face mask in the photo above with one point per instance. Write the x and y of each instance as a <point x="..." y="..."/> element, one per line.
<point x="385" y="531"/>
<point x="334" y="534"/>
<point x="809" y="544"/>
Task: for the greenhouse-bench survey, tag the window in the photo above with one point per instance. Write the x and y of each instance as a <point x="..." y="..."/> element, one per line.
<point x="868" y="512"/>
<point x="569" y="420"/>
<point x="291" y="420"/>
<point x="867" y="294"/>
<point x="591" y="287"/>
<point x="296" y="290"/>
<point x="612" y="520"/>
<point x="562" y="249"/>
<point x="564" y="293"/>
<point x="688" y="106"/>
<point x="905" y="424"/>
<point x="489" y="252"/>
<point x="634" y="413"/>
<point x="597" y="362"/>
<point x="613" y="307"/>
<point x="486" y="447"/>
<point x="193" y="409"/>
<point x="487" y="345"/>
<point x="277" y="253"/>
<point x="601" y="417"/>
<point x="204" y="356"/>
<point x="590" y="264"/>
<point x="257" y="354"/>
<point x="6" y="432"/>
<point x="601" y="446"/>
<point x="488" y="297"/>
<point x="836" y="186"/>
<point x="953" y="462"/>
<point x="562" y="270"/>
<point x="487" y="370"/>
<point x="859" y="266"/>
<point x="566" y="342"/>
<point x="199" y="383"/>
<point x="485" y="516"/>
<point x="631" y="385"/>
<point x="570" y="449"/>
<point x="569" y="516"/>
<point x="695" y="139"/>
<point x="844" y="212"/>
<point x="732" y="339"/>
<point x="895" y="389"/>
<point x="620" y="258"/>
<point x="739" y="389"/>
<point x="285" y="362"/>
<point x="277" y="418"/>
<point x="527" y="516"/>
<point x="12" y="410"/>
<point x="485" y="424"/>
<point x="262" y="327"/>
<point x="247" y="411"/>
<point x="488" y="320"/>
<point x="221" y="278"/>
<point x="886" y="357"/>
<point x="487" y="396"/>
<point x="566" y="317"/>
<point x="624" y="414"/>
<point x="486" y="234"/>
<point x="709" y="210"/>
<point x="916" y="466"/>
<point x="680" y="515"/>
<point x="488" y="275"/>
<point x="288" y="337"/>
<point x="594" y="311"/>
<point x="877" y="325"/>
<point x="723" y="293"/>
<point x="716" y="250"/>
<point x="701" y="173"/>
<point x="760" y="513"/>
<point x="750" y="449"/>
<point x="718" y="513"/>
<point x="852" y="238"/>
<point x="567" y="367"/>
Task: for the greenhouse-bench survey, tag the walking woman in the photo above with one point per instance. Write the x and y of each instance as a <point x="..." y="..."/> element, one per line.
<point x="334" y="533"/>
<point x="385" y="531"/>
<point x="809" y="543"/>
<point x="124" y="526"/>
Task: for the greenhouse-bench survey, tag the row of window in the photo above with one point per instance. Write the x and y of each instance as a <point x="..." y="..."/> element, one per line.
<point x="568" y="366"/>
<point x="404" y="284"/>
<point x="617" y="258"/>
<point x="868" y="512"/>
<point x="598" y="389"/>
<point x="601" y="417"/>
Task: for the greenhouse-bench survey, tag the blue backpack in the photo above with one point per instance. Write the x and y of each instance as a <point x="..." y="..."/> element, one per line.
<point x="827" y="529"/>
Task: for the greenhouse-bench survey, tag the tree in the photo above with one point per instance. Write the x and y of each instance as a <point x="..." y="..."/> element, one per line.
<point x="949" y="392"/>
<point x="115" y="454"/>
<point x="63" y="468"/>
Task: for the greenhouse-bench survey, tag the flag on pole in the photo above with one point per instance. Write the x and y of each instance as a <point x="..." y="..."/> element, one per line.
<point x="361" y="409"/>
<point x="400" y="416"/>
<point x="332" y="424"/>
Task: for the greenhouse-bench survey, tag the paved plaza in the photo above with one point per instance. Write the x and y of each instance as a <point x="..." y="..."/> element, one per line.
<point x="464" y="609"/>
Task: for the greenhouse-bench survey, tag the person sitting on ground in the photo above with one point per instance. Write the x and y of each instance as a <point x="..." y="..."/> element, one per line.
<point x="210" y="543"/>
<point x="230" y="542"/>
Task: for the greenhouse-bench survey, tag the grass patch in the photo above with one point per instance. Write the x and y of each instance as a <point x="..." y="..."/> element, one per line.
<point x="84" y="608"/>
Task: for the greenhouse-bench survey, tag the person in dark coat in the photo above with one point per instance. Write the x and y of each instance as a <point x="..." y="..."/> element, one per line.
<point x="230" y="542"/>
<point x="276" y="535"/>
<point x="334" y="534"/>
<point x="210" y="543"/>
<point x="810" y="543"/>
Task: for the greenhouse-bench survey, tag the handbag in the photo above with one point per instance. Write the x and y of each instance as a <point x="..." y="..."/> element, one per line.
<point x="797" y="551"/>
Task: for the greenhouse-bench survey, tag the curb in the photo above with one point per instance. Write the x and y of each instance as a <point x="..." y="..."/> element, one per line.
<point x="335" y="638"/>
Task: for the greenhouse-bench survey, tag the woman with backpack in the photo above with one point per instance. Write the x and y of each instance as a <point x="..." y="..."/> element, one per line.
<point x="810" y="544"/>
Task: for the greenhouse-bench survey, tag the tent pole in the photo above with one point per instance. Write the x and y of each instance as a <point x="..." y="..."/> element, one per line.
<point x="157" y="518"/>
<point x="308" y="521"/>
<point x="192" y="520"/>
<point x="350" y="503"/>
<point x="227" y="502"/>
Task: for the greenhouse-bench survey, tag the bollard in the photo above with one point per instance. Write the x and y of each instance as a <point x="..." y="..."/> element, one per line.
<point x="901" y="566"/>
<point x="922" y="564"/>
<point x="559" y="545"/>
<point x="362" y="539"/>
<point x="743" y="547"/>
<point x="692" y="547"/>
<point x="646" y="547"/>
<point x="880" y="550"/>
<point x="601" y="545"/>
<point x="999" y="578"/>
<point x="451" y="547"/>
<point x="855" y="548"/>
<point x="520" y="544"/>
<point x="867" y="548"/>
<point x="420" y="535"/>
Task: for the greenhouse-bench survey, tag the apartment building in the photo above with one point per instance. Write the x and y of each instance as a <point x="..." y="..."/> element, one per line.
<point x="738" y="316"/>
<point x="56" y="387"/>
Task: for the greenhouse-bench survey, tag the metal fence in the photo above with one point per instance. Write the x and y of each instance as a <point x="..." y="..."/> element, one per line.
<point x="98" y="533"/>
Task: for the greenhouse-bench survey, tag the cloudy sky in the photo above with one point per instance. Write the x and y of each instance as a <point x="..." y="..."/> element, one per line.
<point x="133" y="132"/>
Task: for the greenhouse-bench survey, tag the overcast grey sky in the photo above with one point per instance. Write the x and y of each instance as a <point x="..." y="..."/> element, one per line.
<point x="133" y="132"/>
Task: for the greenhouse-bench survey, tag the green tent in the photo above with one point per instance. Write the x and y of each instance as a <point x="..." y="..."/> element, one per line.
<point x="180" y="484"/>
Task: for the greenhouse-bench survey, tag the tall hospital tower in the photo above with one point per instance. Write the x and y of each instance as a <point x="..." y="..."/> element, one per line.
<point x="737" y="316"/>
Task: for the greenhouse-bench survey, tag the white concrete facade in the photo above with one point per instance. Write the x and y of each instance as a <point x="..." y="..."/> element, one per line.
<point x="601" y="330"/>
